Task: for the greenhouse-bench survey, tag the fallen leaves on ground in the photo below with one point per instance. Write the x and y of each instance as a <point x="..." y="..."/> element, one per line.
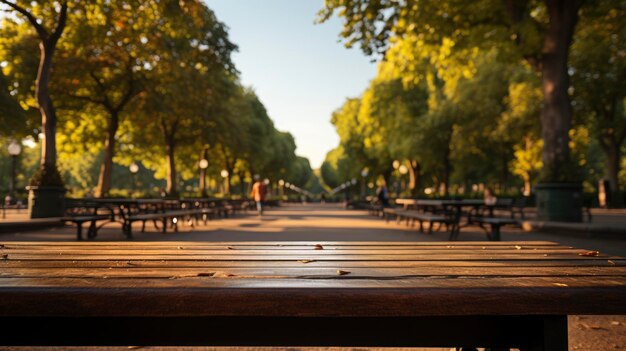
<point x="587" y="326"/>
<point x="590" y="253"/>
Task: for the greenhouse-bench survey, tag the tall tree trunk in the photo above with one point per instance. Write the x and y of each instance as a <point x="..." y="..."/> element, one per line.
<point x="556" y="115"/>
<point x="527" y="186"/>
<point x="47" y="45"/>
<point x="505" y="170"/>
<point x="104" y="179"/>
<point x="172" y="188"/>
<point x="415" y="177"/>
<point x="48" y="113"/>
<point x="447" y="169"/>
<point x="242" y="183"/>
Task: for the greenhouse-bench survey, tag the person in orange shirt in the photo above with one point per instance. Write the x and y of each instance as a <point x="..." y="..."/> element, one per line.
<point x="258" y="193"/>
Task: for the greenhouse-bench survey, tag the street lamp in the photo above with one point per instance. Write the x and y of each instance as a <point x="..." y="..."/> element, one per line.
<point x="396" y="165"/>
<point x="281" y="189"/>
<point x="134" y="168"/>
<point x="224" y="173"/>
<point x="403" y="170"/>
<point x="14" y="150"/>
<point x="203" y="164"/>
<point x="364" y="172"/>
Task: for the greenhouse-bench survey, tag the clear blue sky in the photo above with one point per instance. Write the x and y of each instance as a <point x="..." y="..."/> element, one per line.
<point x="298" y="69"/>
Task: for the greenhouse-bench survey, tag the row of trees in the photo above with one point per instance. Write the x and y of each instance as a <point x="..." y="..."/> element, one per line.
<point x="489" y="91"/>
<point x="149" y="81"/>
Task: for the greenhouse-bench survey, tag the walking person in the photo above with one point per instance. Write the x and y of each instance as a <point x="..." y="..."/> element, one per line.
<point x="383" y="195"/>
<point x="259" y="190"/>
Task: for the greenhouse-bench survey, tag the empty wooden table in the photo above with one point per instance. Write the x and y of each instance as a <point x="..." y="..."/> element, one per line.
<point x="495" y="294"/>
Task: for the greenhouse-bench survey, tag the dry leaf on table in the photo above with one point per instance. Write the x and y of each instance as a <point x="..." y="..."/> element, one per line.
<point x="590" y="253"/>
<point x="222" y="275"/>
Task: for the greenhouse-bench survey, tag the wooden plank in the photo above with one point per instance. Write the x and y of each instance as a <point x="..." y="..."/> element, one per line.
<point x="337" y="281"/>
<point x="147" y="247"/>
<point x="279" y="243"/>
<point x="324" y="252"/>
<point x="203" y="296"/>
<point x="311" y="272"/>
<point x="308" y="256"/>
<point x="314" y="263"/>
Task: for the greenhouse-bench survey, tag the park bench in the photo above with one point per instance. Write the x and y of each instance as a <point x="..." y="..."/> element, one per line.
<point x="487" y="219"/>
<point x="375" y="209"/>
<point x="80" y="212"/>
<point x="441" y="216"/>
<point x="160" y="211"/>
<point x="494" y="224"/>
<point x="351" y="294"/>
<point x="449" y="220"/>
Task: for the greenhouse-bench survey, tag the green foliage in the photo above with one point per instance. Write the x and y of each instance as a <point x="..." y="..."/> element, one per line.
<point x="157" y="78"/>
<point x="458" y="95"/>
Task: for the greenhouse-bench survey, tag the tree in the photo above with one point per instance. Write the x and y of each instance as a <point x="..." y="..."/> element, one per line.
<point x="48" y="41"/>
<point x="599" y="82"/>
<point x="182" y="84"/>
<point x="101" y="64"/>
<point x="539" y="32"/>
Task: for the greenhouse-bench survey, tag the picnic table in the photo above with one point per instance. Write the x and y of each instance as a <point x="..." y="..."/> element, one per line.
<point x="479" y="213"/>
<point x="482" y="294"/>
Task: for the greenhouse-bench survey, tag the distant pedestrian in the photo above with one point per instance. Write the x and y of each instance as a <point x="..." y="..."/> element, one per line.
<point x="383" y="195"/>
<point x="259" y="190"/>
<point x="490" y="197"/>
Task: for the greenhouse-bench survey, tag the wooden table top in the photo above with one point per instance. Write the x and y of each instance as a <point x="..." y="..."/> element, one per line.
<point x="307" y="279"/>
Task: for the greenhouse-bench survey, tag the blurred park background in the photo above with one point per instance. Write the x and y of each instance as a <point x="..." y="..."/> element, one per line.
<point x="124" y="98"/>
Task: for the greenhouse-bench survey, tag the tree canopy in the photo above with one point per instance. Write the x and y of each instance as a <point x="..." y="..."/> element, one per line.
<point x="148" y="82"/>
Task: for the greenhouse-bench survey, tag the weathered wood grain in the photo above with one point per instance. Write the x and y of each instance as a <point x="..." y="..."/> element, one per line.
<point x="134" y="279"/>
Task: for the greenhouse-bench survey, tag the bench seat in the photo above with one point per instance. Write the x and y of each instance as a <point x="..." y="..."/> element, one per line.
<point x="81" y="219"/>
<point x="164" y="217"/>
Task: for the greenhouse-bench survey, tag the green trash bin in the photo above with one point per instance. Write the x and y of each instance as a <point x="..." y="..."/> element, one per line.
<point x="559" y="202"/>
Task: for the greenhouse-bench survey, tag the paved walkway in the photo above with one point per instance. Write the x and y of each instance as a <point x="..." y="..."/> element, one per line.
<point x="315" y="222"/>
